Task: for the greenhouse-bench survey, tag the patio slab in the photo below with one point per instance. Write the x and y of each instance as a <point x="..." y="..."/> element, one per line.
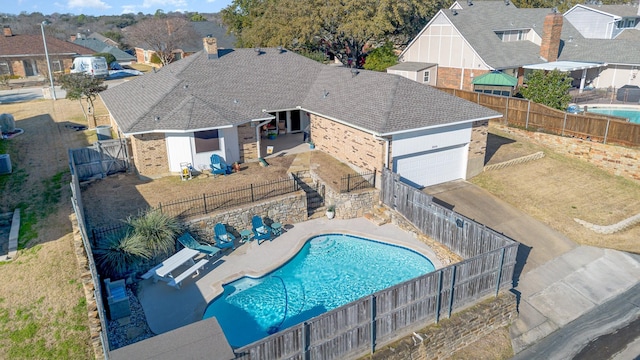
<point x="167" y="308"/>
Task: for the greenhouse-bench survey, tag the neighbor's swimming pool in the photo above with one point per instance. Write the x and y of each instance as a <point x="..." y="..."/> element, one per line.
<point x="330" y="270"/>
<point x="633" y="114"/>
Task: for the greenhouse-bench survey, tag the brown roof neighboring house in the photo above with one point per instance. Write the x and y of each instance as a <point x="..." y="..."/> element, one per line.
<point x="23" y="55"/>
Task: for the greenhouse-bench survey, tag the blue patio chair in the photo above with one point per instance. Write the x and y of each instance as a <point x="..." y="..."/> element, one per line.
<point x="260" y="230"/>
<point x="223" y="238"/>
<point x="189" y="242"/>
<point x="218" y="166"/>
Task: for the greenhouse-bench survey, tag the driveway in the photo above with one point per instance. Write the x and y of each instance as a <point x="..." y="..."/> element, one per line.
<point x="557" y="281"/>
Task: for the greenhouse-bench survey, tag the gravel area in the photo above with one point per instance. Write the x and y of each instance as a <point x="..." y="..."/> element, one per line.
<point x="131" y="329"/>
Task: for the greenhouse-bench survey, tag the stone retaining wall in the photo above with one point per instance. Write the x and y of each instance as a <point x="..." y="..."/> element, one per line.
<point x="286" y="209"/>
<point x="439" y="341"/>
<point x="349" y="205"/>
<point x="616" y="160"/>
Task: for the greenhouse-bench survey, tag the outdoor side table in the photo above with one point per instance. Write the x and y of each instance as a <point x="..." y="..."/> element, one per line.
<point x="277" y="228"/>
<point x="245" y="235"/>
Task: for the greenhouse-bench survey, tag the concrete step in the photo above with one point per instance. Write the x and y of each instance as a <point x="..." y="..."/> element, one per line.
<point x="379" y="215"/>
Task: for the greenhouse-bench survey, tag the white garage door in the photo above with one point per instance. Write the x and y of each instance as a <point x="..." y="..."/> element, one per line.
<point x="434" y="167"/>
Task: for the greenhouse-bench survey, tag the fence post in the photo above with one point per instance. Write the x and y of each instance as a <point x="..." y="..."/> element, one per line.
<point x="204" y="201"/>
<point x="606" y="131"/>
<point x="348" y="182"/>
<point x="251" y="187"/>
<point x="305" y="340"/>
<point x="564" y="124"/>
<point x="439" y="299"/>
<point x="500" y="272"/>
<point x="506" y="112"/>
<point x="373" y="323"/>
<point x="453" y="282"/>
<point x="160" y="207"/>
<point x="375" y="173"/>
<point x="526" y="124"/>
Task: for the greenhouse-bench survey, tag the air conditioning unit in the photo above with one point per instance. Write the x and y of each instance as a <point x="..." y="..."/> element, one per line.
<point x="5" y="164"/>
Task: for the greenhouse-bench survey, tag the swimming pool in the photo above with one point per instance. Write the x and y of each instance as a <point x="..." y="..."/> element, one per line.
<point x="631" y="113"/>
<point x="329" y="271"/>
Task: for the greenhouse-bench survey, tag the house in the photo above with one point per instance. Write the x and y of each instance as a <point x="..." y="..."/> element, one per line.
<point x="471" y="39"/>
<point x="98" y="46"/>
<point x="199" y="29"/>
<point x="217" y="102"/>
<point x="604" y="21"/>
<point x="24" y="55"/>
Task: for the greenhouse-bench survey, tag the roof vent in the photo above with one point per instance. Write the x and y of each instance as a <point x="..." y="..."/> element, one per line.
<point x="258" y="51"/>
<point x="454" y="12"/>
<point x="570" y="38"/>
<point x="325" y="93"/>
<point x="354" y="72"/>
<point x="469" y="3"/>
<point x="185" y="86"/>
<point x="280" y="49"/>
<point x="506" y="2"/>
<point x="157" y="118"/>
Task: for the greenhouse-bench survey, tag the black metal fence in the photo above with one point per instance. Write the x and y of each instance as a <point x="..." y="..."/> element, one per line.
<point x="359" y="181"/>
<point x="207" y="203"/>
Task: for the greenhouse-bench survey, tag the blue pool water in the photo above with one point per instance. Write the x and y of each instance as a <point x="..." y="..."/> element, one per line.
<point x="632" y="114"/>
<point x="329" y="271"/>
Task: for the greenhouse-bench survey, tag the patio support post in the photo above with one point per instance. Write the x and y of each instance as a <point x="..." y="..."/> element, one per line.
<point x="582" y="80"/>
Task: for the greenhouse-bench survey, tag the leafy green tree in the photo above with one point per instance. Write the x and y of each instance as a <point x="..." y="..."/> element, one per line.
<point x="113" y="35"/>
<point x="195" y="17"/>
<point x="81" y="86"/>
<point x="379" y="59"/>
<point x="338" y="27"/>
<point x="107" y="56"/>
<point x="550" y="88"/>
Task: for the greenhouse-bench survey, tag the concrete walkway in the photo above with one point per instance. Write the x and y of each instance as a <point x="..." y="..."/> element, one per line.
<point x="558" y="281"/>
<point x="168" y="308"/>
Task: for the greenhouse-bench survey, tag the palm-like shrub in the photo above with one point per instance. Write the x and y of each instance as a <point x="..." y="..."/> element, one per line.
<point x="157" y="231"/>
<point x="116" y="256"/>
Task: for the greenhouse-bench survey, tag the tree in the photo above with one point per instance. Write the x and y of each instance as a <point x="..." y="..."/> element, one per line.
<point x="549" y="88"/>
<point x="195" y="17"/>
<point x="107" y="56"/>
<point x="379" y="59"/>
<point x="163" y="35"/>
<point x="79" y="86"/>
<point x="338" y="27"/>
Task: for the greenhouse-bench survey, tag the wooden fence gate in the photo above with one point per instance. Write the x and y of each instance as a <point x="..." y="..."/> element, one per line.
<point x="103" y="158"/>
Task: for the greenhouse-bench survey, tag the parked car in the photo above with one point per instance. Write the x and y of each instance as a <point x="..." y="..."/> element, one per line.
<point x="95" y="66"/>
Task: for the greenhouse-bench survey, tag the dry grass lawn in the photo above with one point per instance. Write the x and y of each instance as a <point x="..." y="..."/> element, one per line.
<point x="43" y="312"/>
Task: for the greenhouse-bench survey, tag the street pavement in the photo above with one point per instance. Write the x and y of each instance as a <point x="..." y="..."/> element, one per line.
<point x="28" y="93"/>
<point x="570" y="297"/>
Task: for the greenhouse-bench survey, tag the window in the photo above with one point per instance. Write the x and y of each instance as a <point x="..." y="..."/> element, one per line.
<point x="425" y="78"/>
<point x="56" y="66"/>
<point x="207" y="141"/>
<point x="5" y="69"/>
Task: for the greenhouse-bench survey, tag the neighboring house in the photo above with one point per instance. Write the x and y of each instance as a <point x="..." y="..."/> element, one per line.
<point x="217" y="102"/>
<point x="188" y="47"/>
<point x="604" y="21"/>
<point x="97" y="46"/>
<point x="104" y="39"/>
<point x="474" y="38"/>
<point x="24" y="55"/>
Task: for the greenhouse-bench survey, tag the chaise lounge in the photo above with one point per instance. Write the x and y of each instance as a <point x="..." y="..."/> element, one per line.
<point x="189" y="242"/>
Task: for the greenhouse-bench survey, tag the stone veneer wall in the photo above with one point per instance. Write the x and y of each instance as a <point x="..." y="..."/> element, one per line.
<point x="450" y="77"/>
<point x="286" y="209"/>
<point x="477" y="148"/>
<point x="347" y="144"/>
<point x="616" y="160"/>
<point x="149" y="152"/>
<point x="441" y="340"/>
<point x="248" y="143"/>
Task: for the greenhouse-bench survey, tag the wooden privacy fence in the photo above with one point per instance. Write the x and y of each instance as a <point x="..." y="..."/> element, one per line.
<point x="100" y="160"/>
<point x="359" y="327"/>
<point x="537" y="117"/>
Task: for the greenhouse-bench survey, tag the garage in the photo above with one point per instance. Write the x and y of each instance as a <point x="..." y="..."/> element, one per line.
<point x="433" y="167"/>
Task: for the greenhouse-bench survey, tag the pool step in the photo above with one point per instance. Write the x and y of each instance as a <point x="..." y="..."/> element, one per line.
<point x="379" y="215"/>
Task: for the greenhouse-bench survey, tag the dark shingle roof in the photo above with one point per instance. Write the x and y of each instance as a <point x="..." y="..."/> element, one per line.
<point x="197" y="93"/>
<point x="32" y="45"/>
<point x="100" y="47"/>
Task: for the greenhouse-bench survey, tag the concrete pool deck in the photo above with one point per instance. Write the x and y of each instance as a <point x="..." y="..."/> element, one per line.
<point x="167" y="308"/>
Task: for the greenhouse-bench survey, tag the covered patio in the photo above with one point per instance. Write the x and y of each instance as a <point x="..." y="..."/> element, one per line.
<point x="570" y="67"/>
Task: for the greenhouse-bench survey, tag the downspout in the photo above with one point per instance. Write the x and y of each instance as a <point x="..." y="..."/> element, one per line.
<point x="260" y="137"/>
<point x="386" y="149"/>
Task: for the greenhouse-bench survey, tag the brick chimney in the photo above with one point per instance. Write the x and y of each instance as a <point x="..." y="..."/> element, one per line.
<point x="7" y="31"/>
<point x="211" y="47"/>
<point x="551" y="31"/>
<point x="73" y="38"/>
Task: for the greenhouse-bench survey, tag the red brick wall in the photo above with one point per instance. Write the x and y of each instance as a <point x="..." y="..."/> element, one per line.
<point x="450" y="77"/>
<point x="347" y="144"/>
<point x="150" y="156"/>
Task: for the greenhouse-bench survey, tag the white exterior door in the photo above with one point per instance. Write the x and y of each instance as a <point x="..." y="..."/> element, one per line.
<point x="434" y="167"/>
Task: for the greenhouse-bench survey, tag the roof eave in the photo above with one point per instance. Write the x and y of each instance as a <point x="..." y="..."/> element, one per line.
<point x="441" y="125"/>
